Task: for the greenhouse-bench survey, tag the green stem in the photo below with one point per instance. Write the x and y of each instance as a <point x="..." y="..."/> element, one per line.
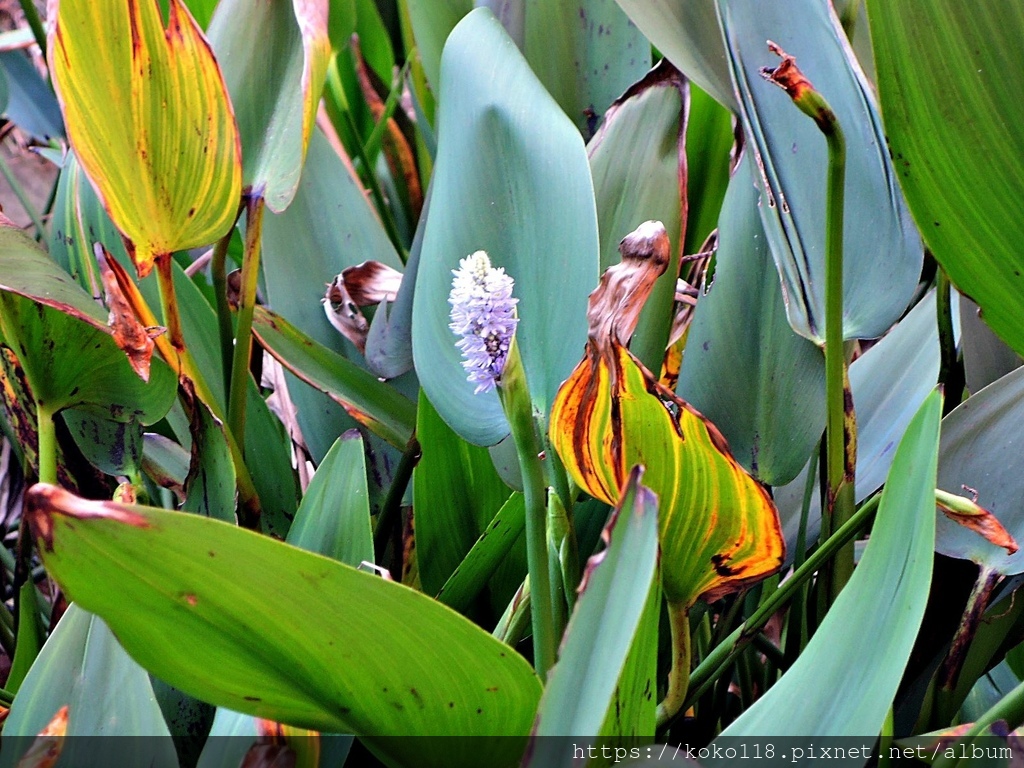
<point x="28" y="7"/>
<point x="19" y="192"/>
<point x="679" y="674"/>
<point x="218" y="271"/>
<point x="47" y="445"/>
<point x="515" y="399"/>
<point x="725" y="652"/>
<point x="1009" y="709"/>
<point x="238" y="387"/>
<point x="951" y="369"/>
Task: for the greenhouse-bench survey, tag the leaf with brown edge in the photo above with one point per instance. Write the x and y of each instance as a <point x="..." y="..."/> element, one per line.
<point x="164" y="155"/>
<point x="372" y="282"/>
<point x="719" y="529"/>
<point x="969" y="514"/>
<point x="129" y="334"/>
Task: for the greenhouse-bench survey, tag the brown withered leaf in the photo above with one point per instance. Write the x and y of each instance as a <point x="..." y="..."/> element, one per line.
<point x="44" y="501"/>
<point x="371" y="283"/>
<point x="343" y="313"/>
<point x="46" y="749"/>
<point x="131" y="336"/>
<point x="969" y="514"/>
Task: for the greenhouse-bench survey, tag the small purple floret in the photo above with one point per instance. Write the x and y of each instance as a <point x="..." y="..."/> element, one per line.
<point x="484" y="315"/>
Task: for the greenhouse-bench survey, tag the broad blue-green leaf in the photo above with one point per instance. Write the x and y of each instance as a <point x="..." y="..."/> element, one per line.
<point x="744" y="367"/>
<point x="31" y="104"/>
<point x="432" y="22"/>
<point x="83" y="667"/>
<point x="981" y="449"/>
<point x="873" y="623"/>
<point x="882" y="250"/>
<point x="986" y="356"/>
<point x="456" y="493"/>
<point x="274" y="58"/>
<point x="334" y="517"/>
<point x="638" y="160"/>
<point x="618" y="582"/>
<point x="686" y="32"/>
<point x="511" y="179"/>
<point x="949" y="78"/>
<point x="347" y="651"/>
<point x="585" y="53"/>
<point x="329" y="226"/>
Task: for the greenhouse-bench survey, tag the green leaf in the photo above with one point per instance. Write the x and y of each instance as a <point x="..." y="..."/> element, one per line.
<point x="687" y="33"/>
<point x="986" y="356"/>
<point x="341" y="22"/>
<point x="873" y="623"/>
<point x="744" y="367"/>
<point x="709" y="141"/>
<point x="31" y="104"/>
<point x="586" y="54"/>
<point x="347" y="651"/>
<point x="980" y="450"/>
<point x="456" y="493"/>
<point x="432" y="22"/>
<point x="83" y="667"/>
<point x="949" y="78"/>
<point x="166" y="157"/>
<point x="882" y="250"/>
<point x="618" y="582"/>
<point x="376" y="405"/>
<point x="638" y="161"/>
<point x="113" y="447"/>
<point x="334" y="517"/>
<point x="511" y="179"/>
<point x="210" y="484"/>
<point x="329" y="226"/>
<point x="274" y="58"/>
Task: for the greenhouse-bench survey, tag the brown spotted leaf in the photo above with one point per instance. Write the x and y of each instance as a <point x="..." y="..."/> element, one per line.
<point x="719" y="529"/>
<point x="969" y="514"/>
<point x="130" y="335"/>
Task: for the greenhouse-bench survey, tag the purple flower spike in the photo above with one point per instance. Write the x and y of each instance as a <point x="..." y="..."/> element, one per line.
<point x="484" y="315"/>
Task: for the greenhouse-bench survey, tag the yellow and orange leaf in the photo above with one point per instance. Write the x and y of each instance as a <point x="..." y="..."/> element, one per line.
<point x="149" y="117"/>
<point x="719" y="529"/>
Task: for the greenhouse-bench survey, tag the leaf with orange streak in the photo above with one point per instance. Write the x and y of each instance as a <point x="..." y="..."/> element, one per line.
<point x="969" y="514"/>
<point x="46" y="749"/>
<point x="719" y="529"/>
<point x="148" y="115"/>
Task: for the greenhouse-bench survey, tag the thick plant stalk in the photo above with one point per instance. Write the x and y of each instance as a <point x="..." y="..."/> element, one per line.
<point x="515" y="399"/>
<point x="841" y="430"/>
<point x="239" y="382"/>
<point x="679" y="675"/>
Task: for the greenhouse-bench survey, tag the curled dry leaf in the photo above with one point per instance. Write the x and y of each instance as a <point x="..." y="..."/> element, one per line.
<point x="44" y="501"/>
<point x="719" y="529"/>
<point x="46" y="749"/>
<point x="969" y="514"/>
<point x="363" y="285"/>
<point x="131" y="336"/>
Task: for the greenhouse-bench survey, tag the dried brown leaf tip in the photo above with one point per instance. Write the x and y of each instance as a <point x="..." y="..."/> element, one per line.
<point x="44" y="501"/>
<point x="614" y="306"/>
<point x="969" y="514"/>
<point x="45" y="750"/>
<point x="787" y="75"/>
<point x="134" y="339"/>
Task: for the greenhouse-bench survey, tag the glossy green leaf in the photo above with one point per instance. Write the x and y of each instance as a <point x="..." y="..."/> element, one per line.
<point x="432" y="22"/>
<point x="31" y="104"/>
<point x="274" y="58"/>
<point x="83" y="667"/>
<point x="585" y="53"/>
<point x="618" y="582"/>
<point x="165" y="158"/>
<point x="709" y="142"/>
<point x="112" y="447"/>
<point x="744" y="367"/>
<point x="881" y="247"/>
<point x="374" y="404"/>
<point x="348" y="651"/>
<point x="493" y="546"/>
<point x="334" y="517"/>
<point x="456" y="493"/>
<point x="986" y="356"/>
<point x="329" y="226"/>
<point x="949" y="78"/>
<point x="873" y="623"/>
<point x="980" y="452"/>
<point x="638" y="160"/>
<point x="341" y="22"/>
<point x="686" y="32"/>
<point x="511" y="179"/>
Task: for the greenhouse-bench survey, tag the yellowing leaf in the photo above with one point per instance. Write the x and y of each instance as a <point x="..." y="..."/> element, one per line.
<point x="719" y="529"/>
<point x="149" y="118"/>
